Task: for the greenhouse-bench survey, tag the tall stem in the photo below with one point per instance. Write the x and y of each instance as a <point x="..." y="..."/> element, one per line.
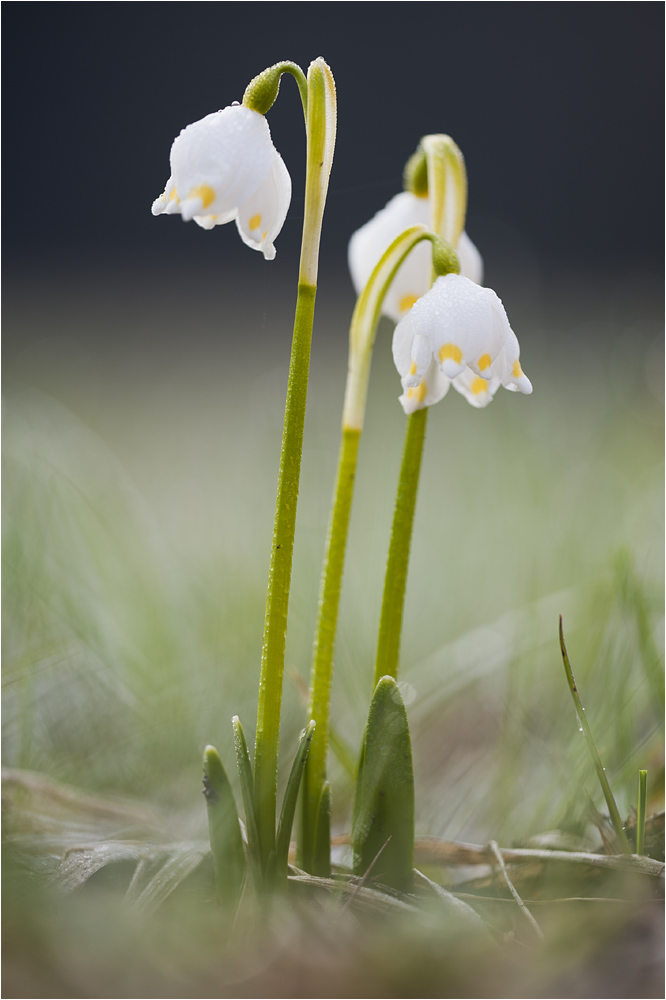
<point x="390" y="625"/>
<point x="322" y="672"/>
<point x="361" y="342"/>
<point x="279" y="579"/>
<point x="320" y="127"/>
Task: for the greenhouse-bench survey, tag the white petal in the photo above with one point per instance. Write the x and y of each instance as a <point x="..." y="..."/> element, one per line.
<point x="210" y="221"/>
<point x="403" y="338"/>
<point x="413" y="277"/>
<point x="191" y="207"/>
<point x="421" y="360"/>
<point x="433" y="387"/>
<point x="412" y="353"/>
<point x="411" y="281"/>
<point x="507" y="366"/>
<point x="262" y="216"/>
<point x="167" y="201"/>
<point x="370" y="241"/>
<point x="476" y="390"/>
<point x="159" y="205"/>
<point x="226" y="155"/>
<point x="471" y="261"/>
<point x="465" y="324"/>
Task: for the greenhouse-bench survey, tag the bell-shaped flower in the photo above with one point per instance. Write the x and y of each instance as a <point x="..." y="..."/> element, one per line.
<point x="225" y="167"/>
<point x="457" y="333"/>
<point x="414" y="275"/>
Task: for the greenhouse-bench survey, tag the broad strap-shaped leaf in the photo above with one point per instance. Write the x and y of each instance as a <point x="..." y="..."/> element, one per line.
<point x="289" y="802"/>
<point x="383" y="823"/>
<point x="224" y="829"/>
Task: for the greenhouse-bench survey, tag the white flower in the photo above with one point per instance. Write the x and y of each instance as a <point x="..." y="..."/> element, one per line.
<point x="457" y="333"/>
<point x="225" y="167"/>
<point x="413" y="278"/>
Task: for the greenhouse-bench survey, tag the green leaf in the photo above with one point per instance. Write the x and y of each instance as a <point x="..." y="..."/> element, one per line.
<point x="321" y="859"/>
<point x="247" y="791"/>
<point x="289" y="801"/>
<point x="383" y="823"/>
<point x="224" y="829"/>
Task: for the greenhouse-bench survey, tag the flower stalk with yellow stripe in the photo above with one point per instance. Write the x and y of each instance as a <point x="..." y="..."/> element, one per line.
<point x="225" y="168"/>
<point x="314" y="852"/>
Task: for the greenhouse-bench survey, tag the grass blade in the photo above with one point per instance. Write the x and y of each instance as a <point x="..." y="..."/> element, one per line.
<point x="247" y="791"/>
<point x="289" y="801"/>
<point x="594" y="753"/>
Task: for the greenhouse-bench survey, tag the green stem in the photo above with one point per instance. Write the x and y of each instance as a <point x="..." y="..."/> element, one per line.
<point x="322" y="668"/>
<point x="361" y="342"/>
<point x="594" y="753"/>
<point x="390" y="625"/>
<point x="320" y="128"/>
<point x="279" y="579"/>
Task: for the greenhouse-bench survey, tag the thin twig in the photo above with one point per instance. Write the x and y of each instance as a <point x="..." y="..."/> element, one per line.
<point x="514" y="892"/>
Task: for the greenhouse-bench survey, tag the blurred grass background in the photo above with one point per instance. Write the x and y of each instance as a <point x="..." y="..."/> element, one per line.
<point x="139" y="475"/>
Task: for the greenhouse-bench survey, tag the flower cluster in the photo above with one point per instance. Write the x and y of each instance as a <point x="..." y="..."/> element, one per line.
<point x="224" y="168"/>
<point x="456" y="334"/>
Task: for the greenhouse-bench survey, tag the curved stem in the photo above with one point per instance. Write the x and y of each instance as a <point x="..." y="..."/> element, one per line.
<point x="361" y="342"/>
<point x="390" y="625"/>
<point x="320" y="142"/>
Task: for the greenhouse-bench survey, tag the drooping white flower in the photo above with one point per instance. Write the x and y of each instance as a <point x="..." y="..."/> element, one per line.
<point x="414" y="275"/>
<point x="225" y="167"/>
<point x="457" y="333"/>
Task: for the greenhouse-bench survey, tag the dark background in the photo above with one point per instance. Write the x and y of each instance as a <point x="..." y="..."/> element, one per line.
<point x="557" y="107"/>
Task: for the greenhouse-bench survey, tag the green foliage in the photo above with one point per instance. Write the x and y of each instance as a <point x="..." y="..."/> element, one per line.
<point x="247" y="790"/>
<point x="383" y="822"/>
<point x="289" y="801"/>
<point x="224" y="830"/>
<point x="321" y="857"/>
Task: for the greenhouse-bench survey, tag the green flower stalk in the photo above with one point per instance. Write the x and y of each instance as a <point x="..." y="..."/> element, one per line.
<point x="316" y="798"/>
<point x="320" y="112"/>
<point x="381" y="291"/>
<point x="225" y="168"/>
<point x="456" y="334"/>
<point x="397" y="562"/>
